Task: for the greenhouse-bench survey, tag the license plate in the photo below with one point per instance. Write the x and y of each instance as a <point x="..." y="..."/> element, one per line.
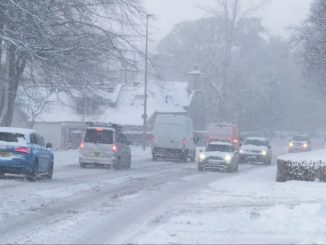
<point x="96" y="154"/>
<point x="4" y="154"/>
<point x="214" y="161"/>
<point x="252" y="157"/>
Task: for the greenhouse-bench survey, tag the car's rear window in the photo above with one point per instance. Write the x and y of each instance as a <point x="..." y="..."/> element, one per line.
<point x="8" y="137"/>
<point x="99" y="136"/>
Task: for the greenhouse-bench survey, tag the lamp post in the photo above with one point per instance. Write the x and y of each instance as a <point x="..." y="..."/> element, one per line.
<point x="145" y="88"/>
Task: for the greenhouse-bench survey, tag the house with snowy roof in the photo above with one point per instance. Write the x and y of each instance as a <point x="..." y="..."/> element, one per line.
<point x="63" y="118"/>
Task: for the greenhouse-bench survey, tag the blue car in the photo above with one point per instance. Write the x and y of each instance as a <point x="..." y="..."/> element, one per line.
<point x="23" y="152"/>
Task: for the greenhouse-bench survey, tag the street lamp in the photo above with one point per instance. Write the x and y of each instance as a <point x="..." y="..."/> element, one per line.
<point x="145" y="87"/>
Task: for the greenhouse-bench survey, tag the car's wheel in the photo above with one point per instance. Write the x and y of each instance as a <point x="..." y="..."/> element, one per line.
<point x="50" y="171"/>
<point x="154" y="158"/>
<point x="231" y="168"/>
<point x="117" y="164"/>
<point x="128" y="163"/>
<point x="82" y="165"/>
<point x="193" y="158"/>
<point x="236" y="168"/>
<point x="200" y="167"/>
<point x="184" y="157"/>
<point x="33" y="176"/>
<point x="2" y="175"/>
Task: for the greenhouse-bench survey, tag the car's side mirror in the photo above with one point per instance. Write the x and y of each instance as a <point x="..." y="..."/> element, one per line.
<point x="129" y="143"/>
<point x="49" y="146"/>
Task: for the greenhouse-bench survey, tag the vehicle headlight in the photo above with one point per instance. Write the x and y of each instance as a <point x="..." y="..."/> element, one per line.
<point x="241" y="151"/>
<point x="290" y="144"/>
<point x="202" y="156"/>
<point x="264" y="153"/>
<point x="228" y="159"/>
<point x="305" y="145"/>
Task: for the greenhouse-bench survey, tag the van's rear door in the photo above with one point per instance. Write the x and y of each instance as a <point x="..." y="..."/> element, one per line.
<point x="98" y="142"/>
<point x="169" y="135"/>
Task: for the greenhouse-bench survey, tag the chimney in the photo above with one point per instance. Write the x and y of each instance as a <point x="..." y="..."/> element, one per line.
<point x="194" y="80"/>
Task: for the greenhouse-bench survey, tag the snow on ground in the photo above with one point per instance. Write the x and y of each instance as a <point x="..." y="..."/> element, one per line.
<point x="317" y="155"/>
<point x="161" y="202"/>
<point x="249" y="208"/>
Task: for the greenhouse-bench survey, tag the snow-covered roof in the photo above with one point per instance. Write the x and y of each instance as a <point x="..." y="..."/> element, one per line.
<point x="163" y="97"/>
<point x="221" y="143"/>
<point x="257" y="138"/>
<point x="24" y="131"/>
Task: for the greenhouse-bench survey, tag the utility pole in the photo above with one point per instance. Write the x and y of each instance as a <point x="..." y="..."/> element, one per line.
<point x="145" y="87"/>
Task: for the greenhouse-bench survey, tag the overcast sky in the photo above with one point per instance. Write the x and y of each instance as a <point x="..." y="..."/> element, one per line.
<point x="277" y="15"/>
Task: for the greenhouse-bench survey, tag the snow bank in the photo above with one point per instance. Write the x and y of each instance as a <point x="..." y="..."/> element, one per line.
<point x="248" y="208"/>
<point x="315" y="156"/>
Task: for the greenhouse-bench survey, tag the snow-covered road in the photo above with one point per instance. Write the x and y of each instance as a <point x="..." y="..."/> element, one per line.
<point x="160" y="202"/>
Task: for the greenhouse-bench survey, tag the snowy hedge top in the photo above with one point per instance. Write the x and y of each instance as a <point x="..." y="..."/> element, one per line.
<point x="312" y="156"/>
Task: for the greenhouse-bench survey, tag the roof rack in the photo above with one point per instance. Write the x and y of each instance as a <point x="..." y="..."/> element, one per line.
<point x="109" y="125"/>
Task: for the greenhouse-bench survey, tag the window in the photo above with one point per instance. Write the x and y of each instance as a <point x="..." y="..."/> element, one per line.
<point x="34" y="139"/>
<point x="119" y="138"/>
<point x="40" y="140"/>
<point x="102" y="136"/>
<point x="8" y="137"/>
<point x="219" y="148"/>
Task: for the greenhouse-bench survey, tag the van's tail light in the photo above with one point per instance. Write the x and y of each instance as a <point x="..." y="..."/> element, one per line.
<point x="184" y="141"/>
<point x="24" y="150"/>
<point x="82" y="146"/>
<point x="114" y="148"/>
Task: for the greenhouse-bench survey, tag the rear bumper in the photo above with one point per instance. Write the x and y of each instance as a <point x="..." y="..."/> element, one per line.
<point x="168" y="153"/>
<point x="99" y="161"/>
<point x="19" y="166"/>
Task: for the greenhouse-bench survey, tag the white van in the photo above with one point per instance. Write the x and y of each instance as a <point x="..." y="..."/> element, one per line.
<point x="173" y="138"/>
<point x="105" y="145"/>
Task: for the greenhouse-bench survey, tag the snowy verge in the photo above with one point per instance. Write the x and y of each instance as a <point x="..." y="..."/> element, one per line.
<point x="246" y="209"/>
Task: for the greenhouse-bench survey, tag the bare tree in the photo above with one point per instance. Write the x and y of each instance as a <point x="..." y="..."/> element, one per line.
<point x="62" y="39"/>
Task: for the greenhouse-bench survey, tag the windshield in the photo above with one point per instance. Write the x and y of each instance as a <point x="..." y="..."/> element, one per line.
<point x="8" y="137"/>
<point x="219" y="148"/>
<point x="99" y="136"/>
<point x="300" y="138"/>
<point x="255" y="142"/>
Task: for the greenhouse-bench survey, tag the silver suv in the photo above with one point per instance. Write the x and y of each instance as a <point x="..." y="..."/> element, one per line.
<point x="105" y="145"/>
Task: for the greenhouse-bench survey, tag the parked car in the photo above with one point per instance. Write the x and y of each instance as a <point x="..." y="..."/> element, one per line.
<point x="256" y="150"/>
<point x="23" y="152"/>
<point x="300" y="143"/>
<point x="223" y="132"/>
<point x="173" y="138"/>
<point x="104" y="145"/>
<point x="219" y="156"/>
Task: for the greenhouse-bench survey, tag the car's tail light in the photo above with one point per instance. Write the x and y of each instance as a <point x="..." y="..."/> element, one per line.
<point x="153" y="139"/>
<point x="184" y="141"/>
<point x="24" y="150"/>
<point x="82" y="146"/>
<point x="114" y="148"/>
<point x="235" y="141"/>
